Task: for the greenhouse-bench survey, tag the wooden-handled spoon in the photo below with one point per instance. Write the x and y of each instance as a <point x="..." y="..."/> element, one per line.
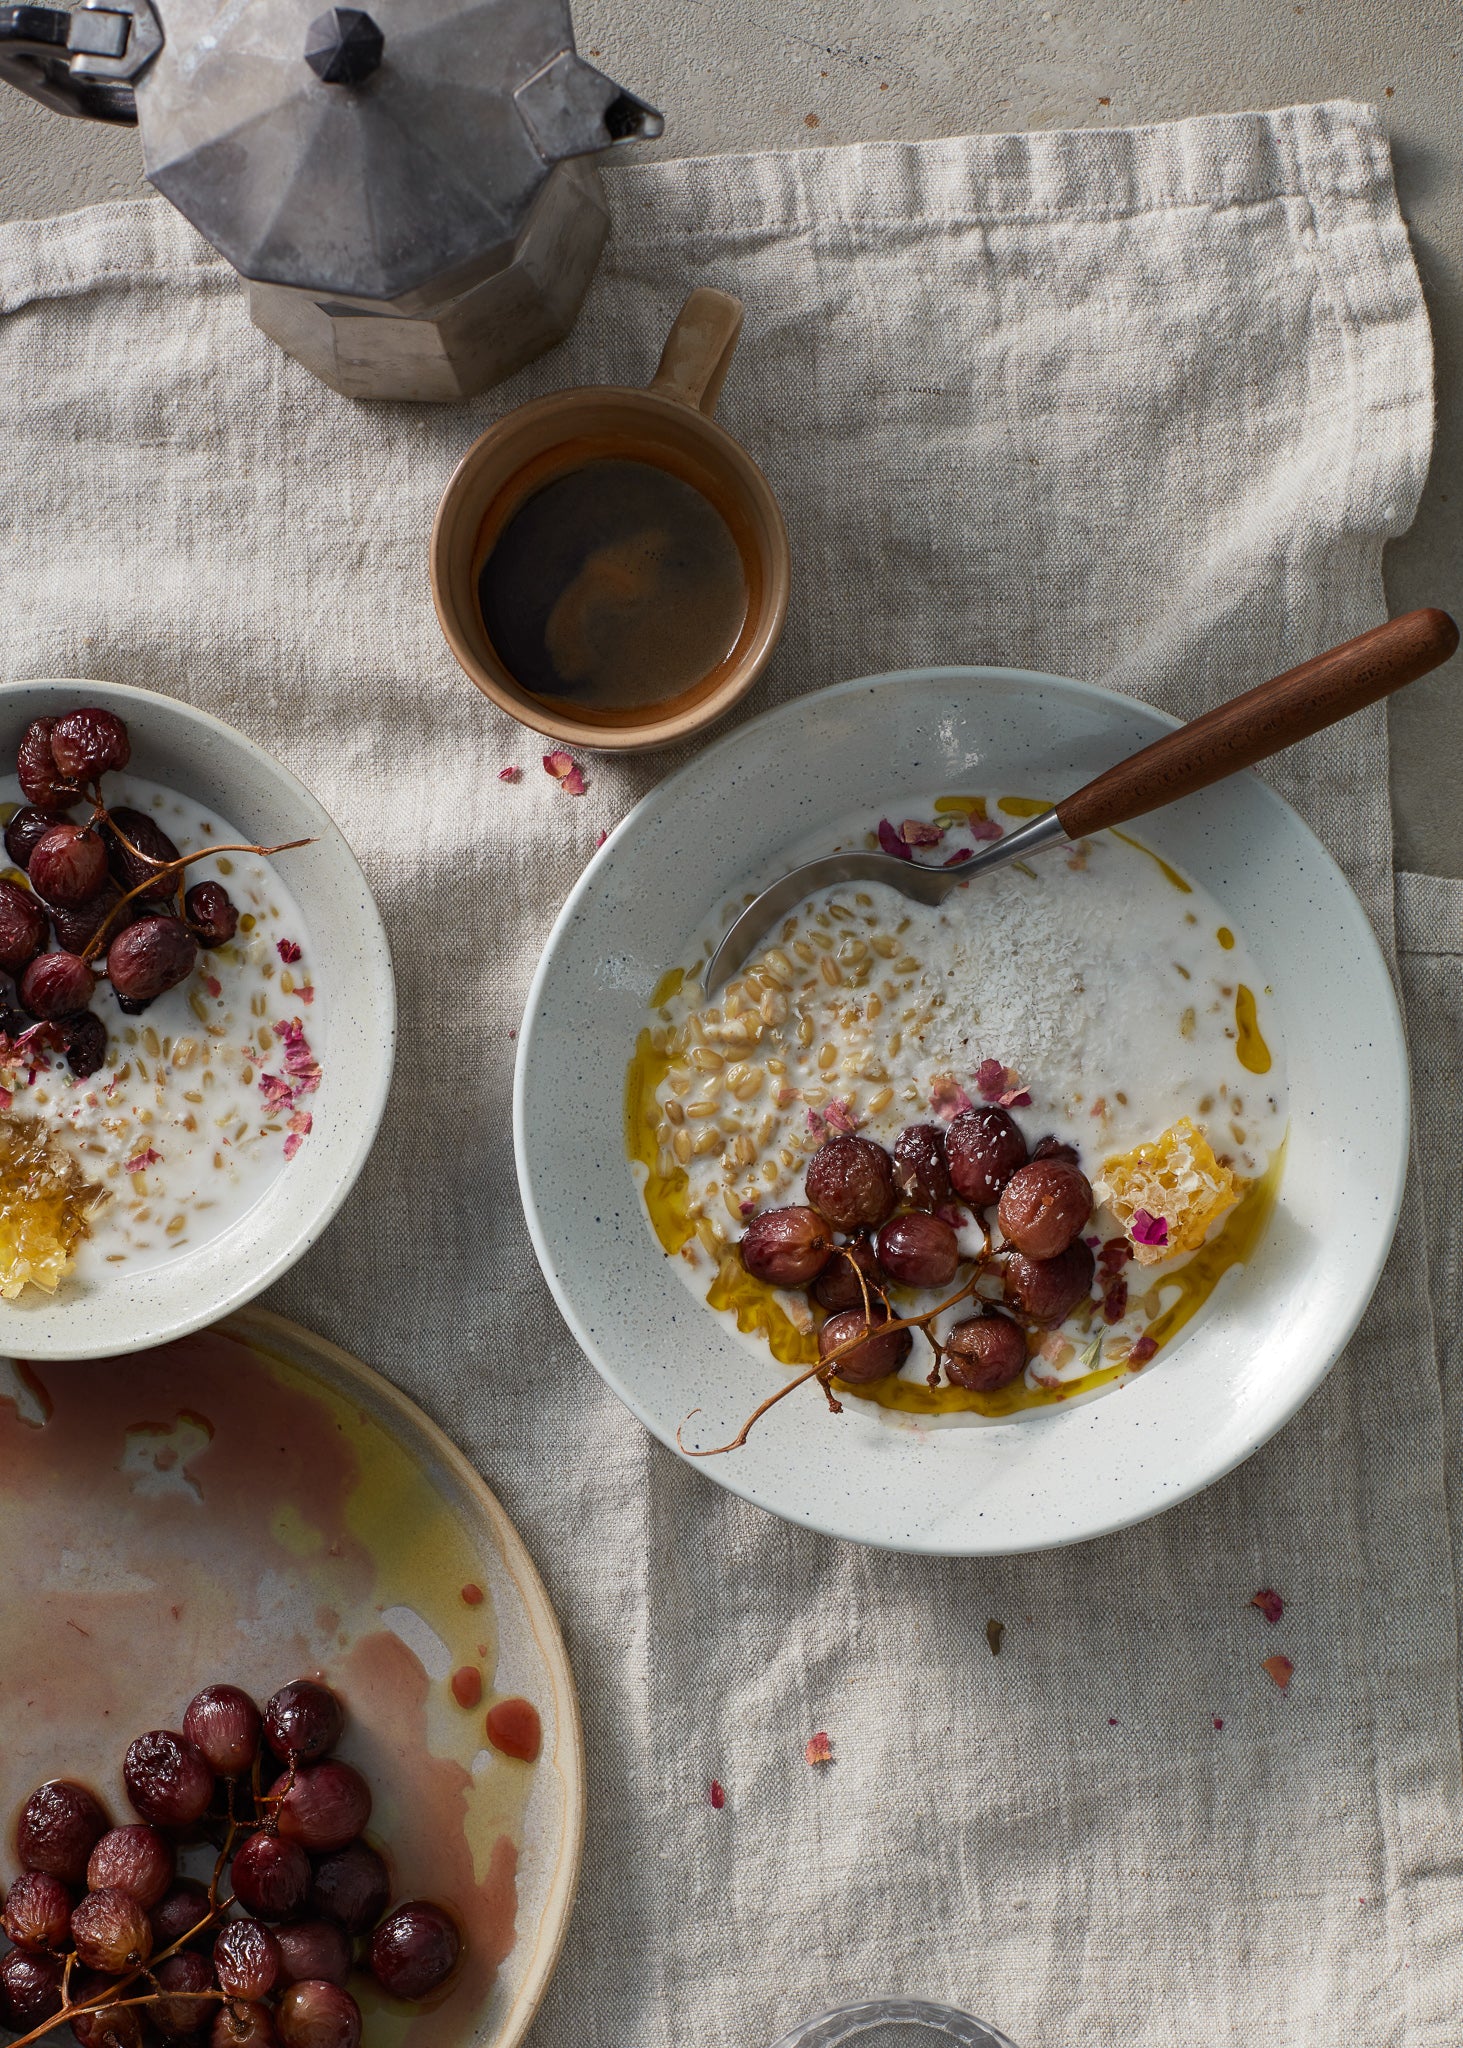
<point x="1221" y="742"/>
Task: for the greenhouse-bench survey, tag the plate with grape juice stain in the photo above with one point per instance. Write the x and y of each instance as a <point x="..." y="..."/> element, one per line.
<point x="250" y="1505"/>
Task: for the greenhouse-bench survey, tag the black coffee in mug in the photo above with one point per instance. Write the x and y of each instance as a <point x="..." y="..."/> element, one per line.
<point x="614" y="585"/>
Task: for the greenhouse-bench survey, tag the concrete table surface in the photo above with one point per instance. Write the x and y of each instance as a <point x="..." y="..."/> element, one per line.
<point x="759" y="74"/>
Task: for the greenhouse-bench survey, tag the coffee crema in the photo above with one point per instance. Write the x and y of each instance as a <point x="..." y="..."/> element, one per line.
<point x="615" y="585"/>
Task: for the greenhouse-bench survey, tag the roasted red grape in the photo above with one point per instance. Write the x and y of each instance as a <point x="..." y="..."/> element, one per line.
<point x="136" y="1860"/>
<point x="920" y="1168"/>
<point x="168" y="1780"/>
<point x="147" y="849"/>
<point x="222" y="1723"/>
<point x="87" y="742"/>
<point x="58" y="1827"/>
<point x="303" y="1720"/>
<point x="150" y="957"/>
<point x="178" y="1913"/>
<point x="25" y="828"/>
<point x="415" y="1949"/>
<point x="243" y="2025"/>
<point x="786" y="1247"/>
<point x="186" y="2009"/>
<point x="1056" y="1148"/>
<point x="107" y="2026"/>
<point x="1046" y="1290"/>
<point x="327" y="1806"/>
<point x="837" y="1286"/>
<point x="30" y="1988"/>
<point x="1044" y="1206"/>
<point x="984" y="1147"/>
<point x="68" y="866"/>
<point x="75" y="928"/>
<point x="44" y="784"/>
<point x="246" y="1959"/>
<point x="111" y="1932"/>
<point x="210" y="910"/>
<point x="850" y="1182"/>
<point x="271" y="1878"/>
<point x="23" y="927"/>
<point x="313" y="1949"/>
<point x="318" y="2015"/>
<point x="57" y="985"/>
<point x="984" y="1353"/>
<point x="882" y="1352"/>
<point x="84" y="1042"/>
<point x="918" y="1250"/>
<point x="352" y="1886"/>
<point x="38" y="1910"/>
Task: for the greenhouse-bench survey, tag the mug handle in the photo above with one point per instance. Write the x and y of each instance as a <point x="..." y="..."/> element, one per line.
<point x="698" y="350"/>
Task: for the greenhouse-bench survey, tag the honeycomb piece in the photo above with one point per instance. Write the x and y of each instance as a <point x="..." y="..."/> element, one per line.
<point x="45" y="1200"/>
<point x="1176" y="1180"/>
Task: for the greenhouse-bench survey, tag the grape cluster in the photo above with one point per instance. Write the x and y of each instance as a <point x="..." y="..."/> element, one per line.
<point x="894" y="1212"/>
<point x="107" y="1935"/>
<point x="82" y="881"/>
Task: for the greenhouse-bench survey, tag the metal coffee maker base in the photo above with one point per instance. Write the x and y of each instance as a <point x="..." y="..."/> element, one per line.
<point x="467" y="342"/>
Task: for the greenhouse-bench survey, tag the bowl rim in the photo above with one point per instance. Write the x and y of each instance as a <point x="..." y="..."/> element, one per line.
<point x="366" y="1122"/>
<point x="267" y="1331"/>
<point x="535" y="713"/>
<point x="1389" y="1025"/>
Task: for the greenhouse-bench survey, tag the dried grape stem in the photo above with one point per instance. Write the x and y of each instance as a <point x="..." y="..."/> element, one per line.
<point x="826" y="1369"/>
<point x="176" y="867"/>
<point x="104" y="1999"/>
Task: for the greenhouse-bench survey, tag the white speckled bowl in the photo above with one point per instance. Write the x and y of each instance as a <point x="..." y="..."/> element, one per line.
<point x="721" y="826"/>
<point x="354" y="1035"/>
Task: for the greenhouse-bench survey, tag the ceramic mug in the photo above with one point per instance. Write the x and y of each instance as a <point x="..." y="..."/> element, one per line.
<point x="668" y="425"/>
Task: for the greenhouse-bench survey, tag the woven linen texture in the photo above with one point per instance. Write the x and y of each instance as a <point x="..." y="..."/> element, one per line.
<point x="1136" y="406"/>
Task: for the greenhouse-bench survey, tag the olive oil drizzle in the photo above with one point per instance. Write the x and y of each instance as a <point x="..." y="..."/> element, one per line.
<point x="1250" y="1048"/>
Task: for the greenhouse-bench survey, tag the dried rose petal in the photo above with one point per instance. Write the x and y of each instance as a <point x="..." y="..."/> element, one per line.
<point x="947" y="1098"/>
<point x="983" y="828"/>
<point x="287" y="950"/>
<point x="839" y="1117"/>
<point x="990" y="1079"/>
<point x="558" y="763"/>
<point x="1115" y="1302"/>
<point x="574" y="783"/>
<point x="1280" y="1669"/>
<point x="139" y="1160"/>
<point x="718" y="1795"/>
<point x="1217" y="1722"/>
<point x="815" y="1124"/>
<point x="1269" y="1603"/>
<point x="600" y="839"/>
<point x="1149" y="1229"/>
<point x="509" y="774"/>
<point x="961" y="853"/>
<point x="819" y="1749"/>
<point x="891" y="842"/>
<point x="914" y="832"/>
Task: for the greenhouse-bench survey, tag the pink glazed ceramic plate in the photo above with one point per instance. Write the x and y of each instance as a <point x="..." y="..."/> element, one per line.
<point x="251" y="1505"/>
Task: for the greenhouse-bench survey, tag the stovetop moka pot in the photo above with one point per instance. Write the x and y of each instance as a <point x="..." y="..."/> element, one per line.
<point x="409" y="192"/>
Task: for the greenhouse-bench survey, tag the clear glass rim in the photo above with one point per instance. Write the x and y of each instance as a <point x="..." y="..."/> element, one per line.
<point x="847" y="2022"/>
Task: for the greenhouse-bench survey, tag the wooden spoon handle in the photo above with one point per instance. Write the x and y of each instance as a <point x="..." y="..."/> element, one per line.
<point x="1252" y="727"/>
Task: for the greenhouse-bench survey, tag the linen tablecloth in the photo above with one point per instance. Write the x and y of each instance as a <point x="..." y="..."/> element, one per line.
<point x="1138" y="406"/>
